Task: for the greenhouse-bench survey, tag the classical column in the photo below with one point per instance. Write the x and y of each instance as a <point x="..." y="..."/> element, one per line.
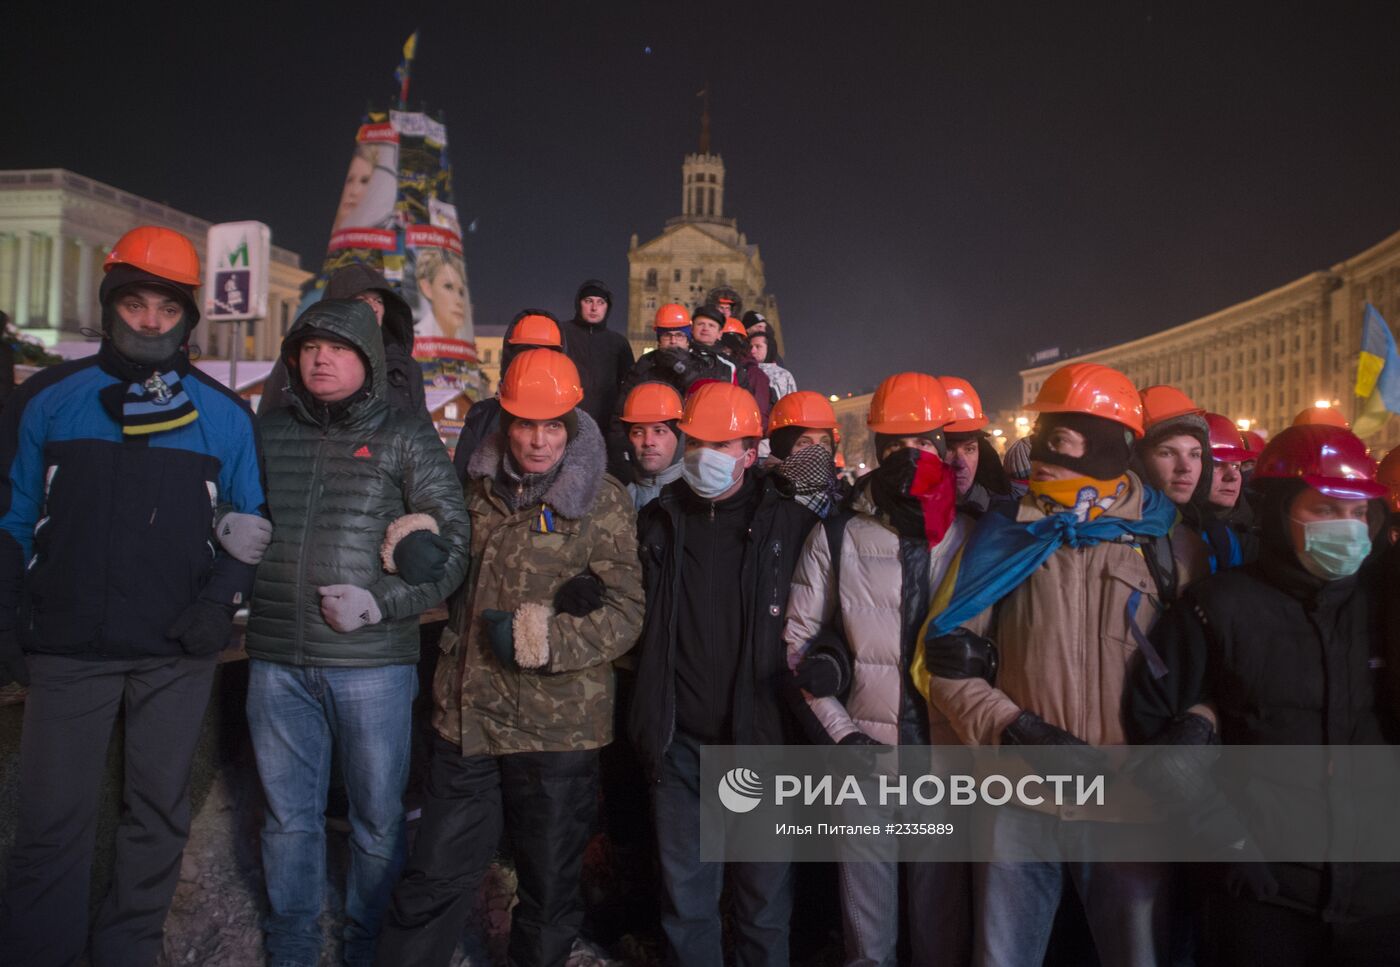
<point x="85" y="276"/>
<point x="53" y="313"/>
<point x="24" y="265"/>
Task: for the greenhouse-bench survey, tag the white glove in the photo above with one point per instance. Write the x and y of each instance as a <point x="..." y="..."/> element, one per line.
<point x="244" y="536"/>
<point x="347" y="607"/>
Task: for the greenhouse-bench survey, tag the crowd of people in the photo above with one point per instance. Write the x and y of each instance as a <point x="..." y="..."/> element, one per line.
<point x="642" y="558"/>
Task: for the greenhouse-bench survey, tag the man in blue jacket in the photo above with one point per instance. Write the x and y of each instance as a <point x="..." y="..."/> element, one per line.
<point x="114" y="595"/>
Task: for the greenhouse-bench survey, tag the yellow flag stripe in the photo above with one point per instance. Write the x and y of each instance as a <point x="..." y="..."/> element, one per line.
<point x="918" y="671"/>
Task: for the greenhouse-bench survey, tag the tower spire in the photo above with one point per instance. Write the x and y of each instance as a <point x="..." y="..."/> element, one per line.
<point x="704" y="95"/>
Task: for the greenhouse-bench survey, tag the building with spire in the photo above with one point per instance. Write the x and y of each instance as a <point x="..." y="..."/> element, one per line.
<point x="699" y="250"/>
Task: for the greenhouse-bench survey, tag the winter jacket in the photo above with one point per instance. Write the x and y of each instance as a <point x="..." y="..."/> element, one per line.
<point x="105" y="539"/>
<point x="775" y="536"/>
<point x="338" y="477"/>
<point x="780" y="381"/>
<point x="1065" y="636"/>
<point x="519" y="561"/>
<point x="402" y="373"/>
<point x="644" y="489"/>
<point x="756" y="382"/>
<point x="603" y="358"/>
<point x="1284" y="658"/>
<point x="885" y="584"/>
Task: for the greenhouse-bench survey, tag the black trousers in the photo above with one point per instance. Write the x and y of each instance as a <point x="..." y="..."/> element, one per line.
<point x="1243" y="931"/>
<point x="547" y="802"/>
<point x="68" y="718"/>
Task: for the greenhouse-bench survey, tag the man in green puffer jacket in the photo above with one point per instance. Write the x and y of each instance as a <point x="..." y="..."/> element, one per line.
<point x="369" y="531"/>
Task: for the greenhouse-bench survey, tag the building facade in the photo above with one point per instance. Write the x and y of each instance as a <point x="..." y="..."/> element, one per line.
<point x="699" y="250"/>
<point x="1265" y="359"/>
<point x="56" y="228"/>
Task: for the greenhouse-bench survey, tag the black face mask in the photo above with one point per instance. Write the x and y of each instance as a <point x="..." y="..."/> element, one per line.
<point x="1106" y="450"/>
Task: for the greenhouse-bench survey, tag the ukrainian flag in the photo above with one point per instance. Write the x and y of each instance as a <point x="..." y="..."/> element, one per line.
<point x="1377" y="375"/>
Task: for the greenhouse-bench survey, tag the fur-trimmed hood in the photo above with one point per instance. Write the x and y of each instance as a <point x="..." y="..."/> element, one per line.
<point x="574" y="492"/>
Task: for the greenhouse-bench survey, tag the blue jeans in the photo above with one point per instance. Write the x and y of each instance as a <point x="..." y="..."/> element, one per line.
<point x="297" y="715"/>
<point x="762" y="892"/>
<point x="1127" y="905"/>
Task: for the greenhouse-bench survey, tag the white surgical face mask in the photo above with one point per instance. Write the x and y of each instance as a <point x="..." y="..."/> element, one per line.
<point x="709" y="472"/>
<point x="1334" y="549"/>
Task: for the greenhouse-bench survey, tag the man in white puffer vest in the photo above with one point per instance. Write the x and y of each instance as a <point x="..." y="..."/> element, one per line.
<point x="894" y="549"/>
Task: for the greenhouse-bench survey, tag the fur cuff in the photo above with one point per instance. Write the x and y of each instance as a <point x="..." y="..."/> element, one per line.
<point x="532" y="635"/>
<point x="400" y="529"/>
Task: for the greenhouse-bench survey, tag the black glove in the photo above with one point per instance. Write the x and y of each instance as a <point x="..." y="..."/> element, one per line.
<point x="1175" y="767"/>
<point x="582" y="594"/>
<point x="858" y="738"/>
<point x="13" y="667"/>
<point x="202" y="629"/>
<point x="500" y="635"/>
<point x="818" y="675"/>
<point x="1030" y="729"/>
<point x="421" y="557"/>
<point x="961" y="654"/>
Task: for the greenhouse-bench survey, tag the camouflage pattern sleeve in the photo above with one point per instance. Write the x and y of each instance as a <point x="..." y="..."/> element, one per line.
<point x="610" y="631"/>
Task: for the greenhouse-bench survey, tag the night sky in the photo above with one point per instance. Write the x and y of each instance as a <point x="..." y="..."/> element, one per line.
<point x="946" y="188"/>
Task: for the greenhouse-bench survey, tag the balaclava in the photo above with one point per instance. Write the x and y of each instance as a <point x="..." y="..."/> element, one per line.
<point x="1106" y="450"/>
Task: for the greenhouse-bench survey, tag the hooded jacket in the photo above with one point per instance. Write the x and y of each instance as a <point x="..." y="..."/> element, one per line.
<point x="520" y="558"/>
<point x="603" y="357"/>
<point x="338" y="477"/>
<point x="402" y="374"/>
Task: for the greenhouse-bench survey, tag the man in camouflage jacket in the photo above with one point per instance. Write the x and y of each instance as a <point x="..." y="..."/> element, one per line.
<point x="524" y="686"/>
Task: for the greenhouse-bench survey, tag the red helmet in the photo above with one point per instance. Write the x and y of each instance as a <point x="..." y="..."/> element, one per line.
<point x="1389" y="474"/>
<point x="1328" y="459"/>
<point x="1254" y="443"/>
<point x="1226" y="444"/>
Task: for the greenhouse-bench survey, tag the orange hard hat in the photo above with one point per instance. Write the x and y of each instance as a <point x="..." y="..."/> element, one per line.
<point x="1094" y="390"/>
<point x="733" y="325"/>
<point x="966" y="405"/>
<point x="1161" y="403"/>
<point x="672" y="315"/>
<point x="717" y="412"/>
<point x="1321" y="416"/>
<point x="159" y="251"/>
<point x="535" y="330"/>
<point x="541" y="384"/>
<point x="1388" y="473"/>
<point x="652" y="403"/>
<point x="802" y="408"/>
<point x="909" y="403"/>
<point x="840" y="462"/>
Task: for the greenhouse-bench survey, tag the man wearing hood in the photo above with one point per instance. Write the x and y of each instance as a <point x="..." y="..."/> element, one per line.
<point x="112" y="598"/>
<point x="872" y="574"/>
<point x="1066" y="583"/>
<point x="603" y="357"/>
<point x="1286" y="650"/>
<point x="524" y="684"/>
<point x="402" y="374"/>
<point x="652" y="414"/>
<point x="1177" y="458"/>
<point x="764" y="347"/>
<point x="980" y="479"/>
<point x="370" y="531"/>
<point x="530" y="329"/>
